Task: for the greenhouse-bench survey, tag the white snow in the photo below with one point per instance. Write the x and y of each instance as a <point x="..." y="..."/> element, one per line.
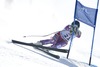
<point x="41" y="17"/>
<point x="12" y="55"/>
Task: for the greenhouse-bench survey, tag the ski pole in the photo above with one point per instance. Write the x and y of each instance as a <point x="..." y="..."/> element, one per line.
<point x="39" y="35"/>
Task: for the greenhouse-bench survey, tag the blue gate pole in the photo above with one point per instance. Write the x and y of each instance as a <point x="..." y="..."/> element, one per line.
<point x="72" y="33"/>
<point x="93" y="34"/>
<point x="70" y="45"/>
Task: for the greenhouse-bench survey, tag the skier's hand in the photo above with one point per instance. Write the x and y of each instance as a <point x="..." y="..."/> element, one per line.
<point x="78" y="34"/>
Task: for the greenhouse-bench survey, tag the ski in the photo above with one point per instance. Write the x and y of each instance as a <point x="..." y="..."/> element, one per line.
<point x="48" y="53"/>
<point x="49" y="48"/>
<point x="40" y="49"/>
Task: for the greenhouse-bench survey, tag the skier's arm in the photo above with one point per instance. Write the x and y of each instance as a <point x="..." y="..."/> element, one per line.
<point x="68" y="27"/>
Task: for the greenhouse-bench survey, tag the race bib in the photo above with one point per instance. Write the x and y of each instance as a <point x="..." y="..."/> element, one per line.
<point x="65" y="34"/>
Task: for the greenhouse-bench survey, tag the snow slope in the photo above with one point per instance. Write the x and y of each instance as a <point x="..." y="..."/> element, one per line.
<point x="13" y="55"/>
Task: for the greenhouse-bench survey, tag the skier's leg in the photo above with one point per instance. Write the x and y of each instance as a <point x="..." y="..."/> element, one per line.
<point x="59" y="45"/>
<point x="53" y="40"/>
<point x="47" y="41"/>
<point x="43" y="42"/>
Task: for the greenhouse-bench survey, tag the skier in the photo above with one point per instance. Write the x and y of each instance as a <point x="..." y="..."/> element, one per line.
<point x="61" y="38"/>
